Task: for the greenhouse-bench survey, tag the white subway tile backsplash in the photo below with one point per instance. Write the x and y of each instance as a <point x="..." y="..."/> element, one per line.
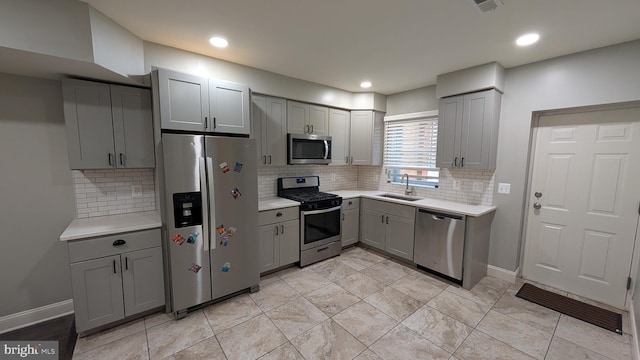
<point x="109" y="191"/>
<point x="331" y="177"/>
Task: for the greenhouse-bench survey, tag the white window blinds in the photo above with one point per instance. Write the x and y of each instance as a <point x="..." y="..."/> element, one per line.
<point x="410" y="147"/>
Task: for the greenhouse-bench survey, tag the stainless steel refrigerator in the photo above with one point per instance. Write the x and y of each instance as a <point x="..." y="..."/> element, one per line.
<point x="211" y="217"/>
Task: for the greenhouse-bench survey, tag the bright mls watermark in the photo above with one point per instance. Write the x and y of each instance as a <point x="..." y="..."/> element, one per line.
<point x="10" y="350"/>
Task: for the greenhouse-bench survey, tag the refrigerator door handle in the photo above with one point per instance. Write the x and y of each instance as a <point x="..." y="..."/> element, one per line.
<point x="211" y="202"/>
<point x="205" y="209"/>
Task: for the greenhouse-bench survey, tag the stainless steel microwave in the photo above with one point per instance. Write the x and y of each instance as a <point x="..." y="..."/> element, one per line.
<point x="308" y="149"/>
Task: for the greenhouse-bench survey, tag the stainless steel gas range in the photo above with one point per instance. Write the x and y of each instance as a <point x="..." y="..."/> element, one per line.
<point x="320" y="222"/>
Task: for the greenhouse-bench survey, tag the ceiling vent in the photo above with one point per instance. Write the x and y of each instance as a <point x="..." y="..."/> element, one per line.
<point x="488" y="5"/>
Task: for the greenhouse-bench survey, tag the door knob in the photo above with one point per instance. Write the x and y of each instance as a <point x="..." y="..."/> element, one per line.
<point x="537" y="206"/>
<point x="538" y="194"/>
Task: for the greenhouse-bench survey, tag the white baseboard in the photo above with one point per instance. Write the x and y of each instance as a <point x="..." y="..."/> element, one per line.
<point x="635" y="347"/>
<point x="34" y="316"/>
<point x="503" y="274"/>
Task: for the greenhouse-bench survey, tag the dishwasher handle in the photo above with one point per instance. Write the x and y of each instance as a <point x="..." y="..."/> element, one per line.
<point x="440" y="216"/>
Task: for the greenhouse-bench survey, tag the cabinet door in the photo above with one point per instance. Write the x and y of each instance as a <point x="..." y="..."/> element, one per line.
<point x="339" y="129"/>
<point x="229" y="107"/>
<point x="373" y="228"/>
<point x="142" y="280"/>
<point x="350" y="226"/>
<point x="268" y="247"/>
<point x="318" y="120"/>
<point x="132" y="127"/>
<point x="297" y="117"/>
<point x="477" y="125"/>
<point x="258" y="117"/>
<point x="289" y="242"/>
<point x="400" y="236"/>
<point x="449" y="132"/>
<point x="275" y="127"/>
<point x="361" y="137"/>
<point x="184" y="101"/>
<point x="87" y="115"/>
<point x="97" y="292"/>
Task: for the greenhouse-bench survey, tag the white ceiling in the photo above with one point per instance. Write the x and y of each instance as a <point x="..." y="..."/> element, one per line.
<point x="396" y="44"/>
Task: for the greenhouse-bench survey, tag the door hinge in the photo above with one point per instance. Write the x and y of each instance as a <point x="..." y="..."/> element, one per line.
<point x="629" y="283"/>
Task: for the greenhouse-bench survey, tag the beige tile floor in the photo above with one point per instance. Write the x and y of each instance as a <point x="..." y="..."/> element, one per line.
<point x="362" y="305"/>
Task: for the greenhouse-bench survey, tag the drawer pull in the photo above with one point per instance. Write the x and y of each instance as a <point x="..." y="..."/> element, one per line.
<point x="323" y="249"/>
<point x="119" y="242"/>
<point x="278" y="214"/>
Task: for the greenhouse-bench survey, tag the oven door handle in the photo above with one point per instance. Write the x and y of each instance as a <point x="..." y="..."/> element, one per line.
<point x="320" y="211"/>
<point x="326" y="149"/>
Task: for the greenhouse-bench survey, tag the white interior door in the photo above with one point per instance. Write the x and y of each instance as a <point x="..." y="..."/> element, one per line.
<point x="586" y="171"/>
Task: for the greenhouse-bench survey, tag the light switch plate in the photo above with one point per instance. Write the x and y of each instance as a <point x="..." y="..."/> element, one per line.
<point x="477" y="186"/>
<point x="456" y="184"/>
<point x="136" y="190"/>
<point x="504" y="188"/>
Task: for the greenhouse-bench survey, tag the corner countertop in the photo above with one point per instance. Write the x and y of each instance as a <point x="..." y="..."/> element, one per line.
<point x="425" y="203"/>
<point x="275" y="203"/>
<point x="113" y="224"/>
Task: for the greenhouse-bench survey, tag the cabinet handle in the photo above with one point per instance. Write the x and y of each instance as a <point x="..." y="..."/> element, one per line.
<point x="387" y="220"/>
<point x="277" y="230"/>
<point x="206" y="122"/>
<point x="278" y="214"/>
<point x="114" y="267"/>
<point x="346" y="159"/>
<point x="122" y="159"/>
<point x="126" y="263"/>
<point x="281" y="229"/>
<point x="382" y="218"/>
<point x="110" y="157"/>
<point x="269" y="159"/>
<point x="352" y="160"/>
<point x="311" y="132"/>
<point x="455" y="162"/>
<point x="214" y="124"/>
<point x="119" y="242"/>
<point x="462" y="162"/>
<point x="264" y="159"/>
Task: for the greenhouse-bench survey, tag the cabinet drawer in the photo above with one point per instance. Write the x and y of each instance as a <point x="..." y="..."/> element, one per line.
<point x="348" y="204"/>
<point x="278" y="215"/>
<point x="80" y="250"/>
<point x="406" y="211"/>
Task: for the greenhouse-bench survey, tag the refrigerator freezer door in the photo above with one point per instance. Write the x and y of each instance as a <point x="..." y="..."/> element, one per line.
<point x="233" y="195"/>
<point x="190" y="280"/>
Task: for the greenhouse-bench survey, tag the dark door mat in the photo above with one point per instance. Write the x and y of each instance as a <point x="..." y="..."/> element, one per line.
<point x="592" y="314"/>
<point x="62" y="330"/>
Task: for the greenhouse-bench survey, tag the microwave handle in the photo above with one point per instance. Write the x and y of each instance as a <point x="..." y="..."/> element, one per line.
<point x="326" y="149"/>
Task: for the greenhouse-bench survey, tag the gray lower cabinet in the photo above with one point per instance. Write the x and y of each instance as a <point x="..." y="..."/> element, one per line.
<point x="388" y="227"/>
<point x="108" y="126"/>
<point x="112" y="280"/>
<point x="279" y="238"/>
<point x="468" y="130"/>
<point x="350" y="221"/>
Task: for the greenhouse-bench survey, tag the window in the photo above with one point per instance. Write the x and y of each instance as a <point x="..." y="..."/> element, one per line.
<point x="410" y="148"/>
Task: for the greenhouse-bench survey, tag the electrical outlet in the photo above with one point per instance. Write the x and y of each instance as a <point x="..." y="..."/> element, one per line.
<point x="376" y="177"/>
<point x="333" y="176"/>
<point x="477" y="186"/>
<point x="504" y="188"/>
<point x="456" y="184"/>
<point x="136" y="190"/>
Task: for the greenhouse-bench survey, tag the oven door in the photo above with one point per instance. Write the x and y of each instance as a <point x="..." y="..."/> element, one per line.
<point x="320" y="227"/>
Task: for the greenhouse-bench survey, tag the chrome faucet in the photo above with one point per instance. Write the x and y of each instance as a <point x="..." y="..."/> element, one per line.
<point x="406" y="190"/>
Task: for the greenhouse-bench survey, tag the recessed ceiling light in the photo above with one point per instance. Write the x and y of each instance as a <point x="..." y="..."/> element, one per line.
<point x="218" y="42"/>
<point x="365" y="84"/>
<point x="527" y="39"/>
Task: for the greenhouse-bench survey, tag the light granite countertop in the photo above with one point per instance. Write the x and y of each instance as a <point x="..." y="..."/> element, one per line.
<point x="113" y="224"/>
<point x="275" y="203"/>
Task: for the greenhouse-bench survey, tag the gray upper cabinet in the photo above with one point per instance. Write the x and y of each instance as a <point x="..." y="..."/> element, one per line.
<point x="305" y="118"/>
<point x="269" y="121"/>
<point x="184" y="101"/>
<point x="366" y="138"/>
<point x="468" y="130"/>
<point x="192" y="103"/>
<point x="339" y="130"/>
<point x="108" y="126"/>
<point x="229" y="107"/>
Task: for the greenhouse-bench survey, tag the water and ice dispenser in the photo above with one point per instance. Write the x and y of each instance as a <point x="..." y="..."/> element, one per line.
<point x="187" y="209"/>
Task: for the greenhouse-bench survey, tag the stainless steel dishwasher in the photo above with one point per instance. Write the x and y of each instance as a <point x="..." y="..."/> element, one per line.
<point x="439" y="242"/>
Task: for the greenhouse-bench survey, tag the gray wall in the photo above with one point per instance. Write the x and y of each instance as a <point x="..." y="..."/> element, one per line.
<point x="37" y="194"/>
<point x="422" y="99"/>
<point x="601" y="76"/>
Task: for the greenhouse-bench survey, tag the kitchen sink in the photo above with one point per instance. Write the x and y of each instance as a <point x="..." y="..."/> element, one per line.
<point x="400" y="197"/>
